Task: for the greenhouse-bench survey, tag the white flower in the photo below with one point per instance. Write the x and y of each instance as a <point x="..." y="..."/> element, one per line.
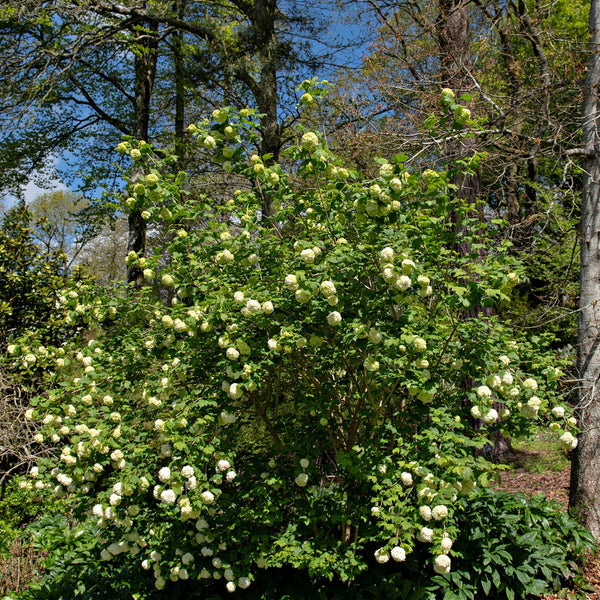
<point x="327" y="288"/>
<point x="568" y="440"/>
<point x="425" y="535"/>
<point x="304" y="462"/>
<point x="408" y="266"/>
<point x="310" y="141"/>
<point x="164" y="474"/>
<point x="253" y="306"/>
<point x="168" y="496"/>
<point x="494" y="381"/>
<point x="223" y="465"/>
<point x="439" y="512"/>
<point x="406" y="478"/>
<point x="382" y="555"/>
<point x="301" y="480"/>
<point x="230" y="476"/>
<point x="491" y="416"/>
<point x="334" y="318"/>
<point x="273" y="344"/>
<point x="267" y="307"/>
<point x="375" y="336"/>
<point x="425" y="513"/>
<point x="504" y="360"/>
<point x="476" y="412"/>
<point x="387" y="255"/>
<point x="159" y="425"/>
<point x="442" y="564"/>
<point x="483" y="391"/>
<point x="207" y="497"/>
<point x="530" y="384"/>
<point x="419" y="344"/>
<point x="398" y="554"/>
<point x="302" y="296"/>
<point x="187" y="471"/>
<point x="291" y="282"/>
<point x="230" y="586"/>
<point x="232" y="354"/>
<point x="244" y="582"/>
<point x="446" y="544"/>
<point x="308" y="255"/>
<point x="558" y="412"/>
<point x="507" y="378"/>
<point x="403" y="283"/>
<point x="235" y="391"/>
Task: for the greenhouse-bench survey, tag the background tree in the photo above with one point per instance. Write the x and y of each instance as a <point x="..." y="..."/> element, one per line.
<point x="585" y="475"/>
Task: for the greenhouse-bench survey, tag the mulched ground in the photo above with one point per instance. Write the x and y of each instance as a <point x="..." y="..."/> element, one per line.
<point x="555" y="486"/>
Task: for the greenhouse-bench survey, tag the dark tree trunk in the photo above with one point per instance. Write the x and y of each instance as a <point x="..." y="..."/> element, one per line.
<point x="585" y="473"/>
<point x="145" y="71"/>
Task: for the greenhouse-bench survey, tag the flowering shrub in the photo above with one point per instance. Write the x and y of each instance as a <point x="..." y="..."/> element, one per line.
<point x="306" y="398"/>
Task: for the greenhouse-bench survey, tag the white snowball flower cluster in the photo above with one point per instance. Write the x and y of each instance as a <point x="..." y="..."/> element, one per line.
<point x="334" y="318"/>
<point x="382" y="556"/>
<point x="442" y="564"/>
<point x="301" y="479"/>
<point x="439" y="512"/>
<point x="425" y="535"/>
<point x="398" y="554"/>
<point x="568" y="440"/>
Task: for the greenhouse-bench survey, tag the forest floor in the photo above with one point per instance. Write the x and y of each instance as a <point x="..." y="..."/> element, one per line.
<point x="539" y="467"/>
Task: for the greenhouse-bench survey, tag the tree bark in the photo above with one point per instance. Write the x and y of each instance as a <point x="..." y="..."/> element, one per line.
<point x="145" y="72"/>
<point x="585" y="472"/>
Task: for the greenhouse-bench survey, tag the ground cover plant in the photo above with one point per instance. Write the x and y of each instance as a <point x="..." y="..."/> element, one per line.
<point x="306" y="393"/>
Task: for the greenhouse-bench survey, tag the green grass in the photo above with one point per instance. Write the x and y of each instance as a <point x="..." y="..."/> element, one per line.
<point x="540" y="454"/>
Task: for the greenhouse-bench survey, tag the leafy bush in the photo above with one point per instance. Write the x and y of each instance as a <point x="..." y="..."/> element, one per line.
<point x="301" y="395"/>
<point x="511" y="546"/>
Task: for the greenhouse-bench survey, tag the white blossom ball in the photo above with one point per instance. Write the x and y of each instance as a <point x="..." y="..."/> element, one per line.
<point x="207" y="497"/>
<point x="375" y="336"/>
<point x="398" y="554"/>
<point x="232" y="353"/>
<point x="230" y="476"/>
<point x="530" y="384"/>
<point x="387" y="255"/>
<point x="425" y="535"/>
<point x="230" y="586"/>
<point x="334" y="318"/>
<point x="223" y="465"/>
<point x="439" y="512"/>
<point x="446" y="544"/>
<point x="419" y="344"/>
<point x="244" y="582"/>
<point x="403" y="283"/>
<point x="483" y="391"/>
<point x="168" y="496"/>
<point x="568" y="440"/>
<point x="304" y="462"/>
<point x="308" y="256"/>
<point x="406" y="478"/>
<point x="491" y="416"/>
<point x="425" y="512"/>
<point x="291" y="282"/>
<point x="442" y="564"/>
<point x="558" y="412"/>
<point x="382" y="556"/>
<point x="301" y="480"/>
<point x="164" y="474"/>
<point x="267" y="307"/>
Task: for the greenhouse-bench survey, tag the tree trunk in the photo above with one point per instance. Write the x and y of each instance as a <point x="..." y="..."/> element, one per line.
<point x="585" y="473"/>
<point x="145" y="71"/>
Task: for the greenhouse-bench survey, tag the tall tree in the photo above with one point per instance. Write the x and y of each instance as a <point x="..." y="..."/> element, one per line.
<point x="585" y="475"/>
